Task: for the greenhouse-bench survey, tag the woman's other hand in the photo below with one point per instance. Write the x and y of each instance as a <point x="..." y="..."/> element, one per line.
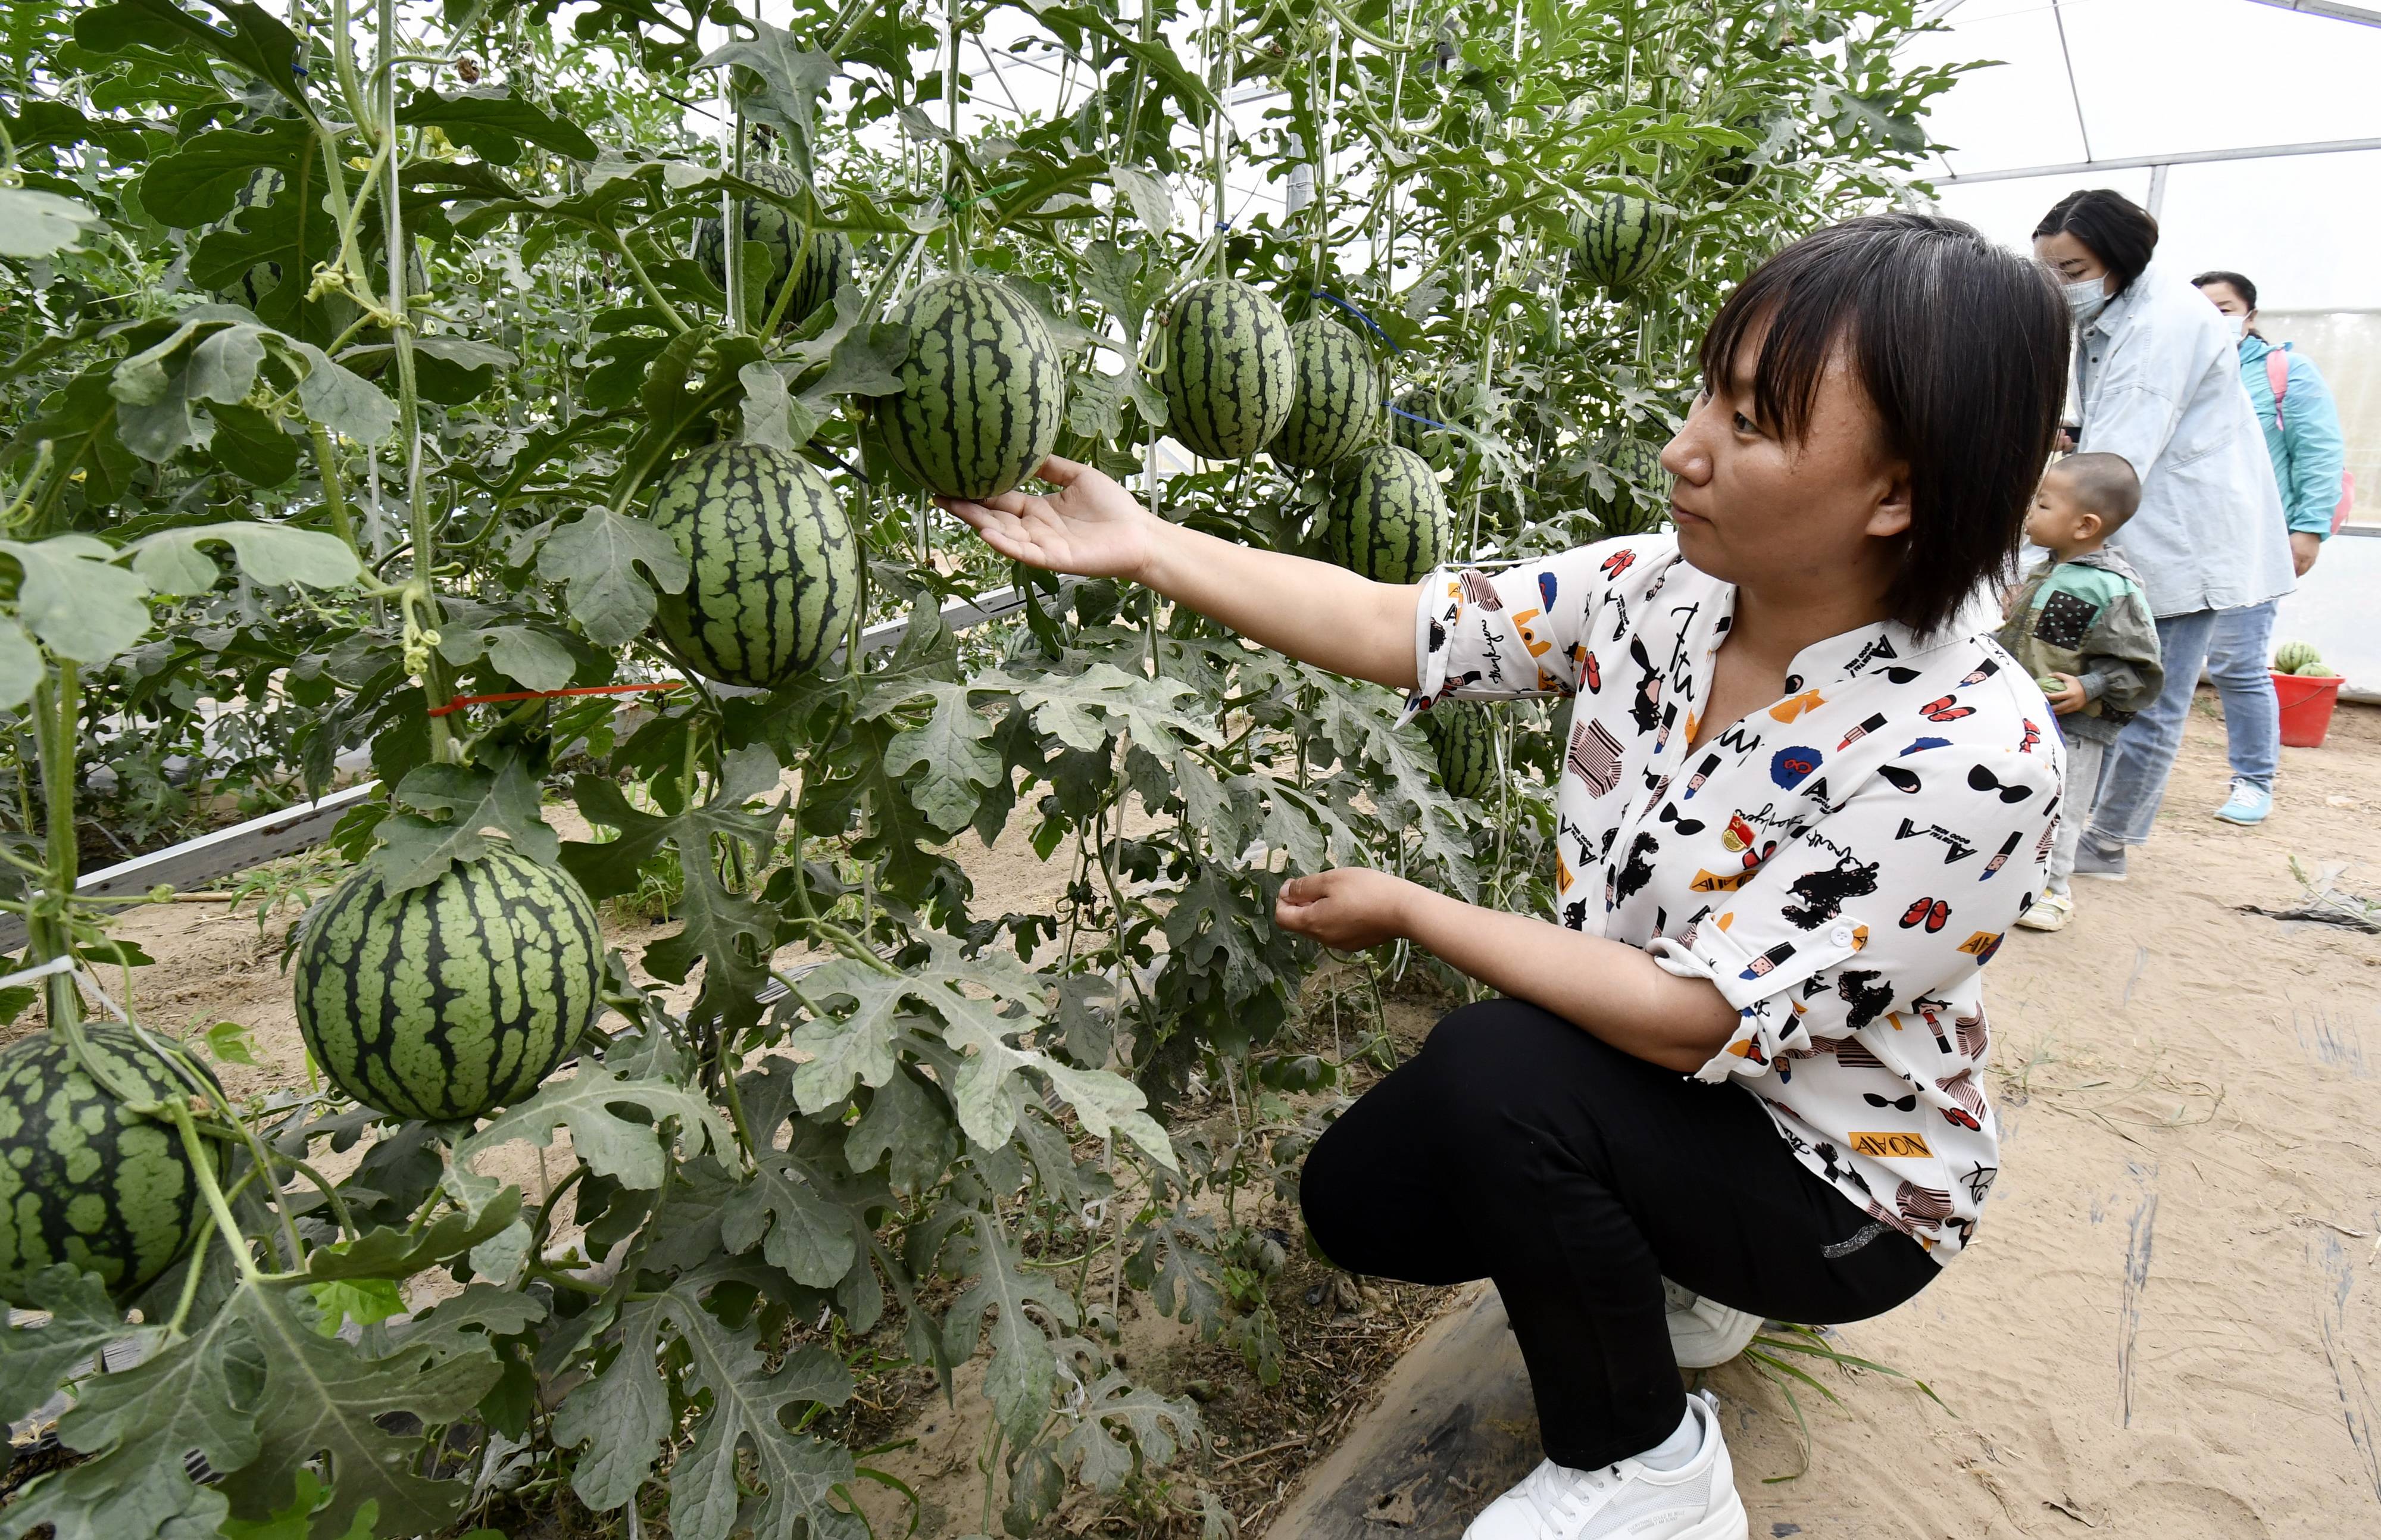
<point x="1091" y="526"/>
<point x="2305" y="545"/>
<point x="1346" y="909"/>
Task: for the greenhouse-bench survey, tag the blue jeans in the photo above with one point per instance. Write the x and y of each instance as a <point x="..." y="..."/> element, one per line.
<point x="2240" y="659"/>
<point x="2232" y="645"/>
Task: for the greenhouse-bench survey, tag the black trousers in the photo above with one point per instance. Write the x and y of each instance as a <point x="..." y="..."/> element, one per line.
<point x="1518" y="1147"/>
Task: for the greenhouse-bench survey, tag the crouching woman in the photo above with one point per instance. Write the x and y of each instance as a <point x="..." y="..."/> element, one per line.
<point x="1799" y="810"/>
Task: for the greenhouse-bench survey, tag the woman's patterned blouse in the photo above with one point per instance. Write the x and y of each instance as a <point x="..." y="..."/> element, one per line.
<point x="1840" y="865"/>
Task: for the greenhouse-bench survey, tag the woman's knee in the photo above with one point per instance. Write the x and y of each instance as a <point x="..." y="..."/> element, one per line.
<point x="1495" y="1063"/>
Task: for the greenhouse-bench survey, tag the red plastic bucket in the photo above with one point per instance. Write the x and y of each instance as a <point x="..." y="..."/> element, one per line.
<point x="2306" y="701"/>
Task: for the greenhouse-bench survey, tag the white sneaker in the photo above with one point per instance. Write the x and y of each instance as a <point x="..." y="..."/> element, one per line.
<point x="2049" y="912"/>
<point x="1628" y="1501"/>
<point x="1706" y="1333"/>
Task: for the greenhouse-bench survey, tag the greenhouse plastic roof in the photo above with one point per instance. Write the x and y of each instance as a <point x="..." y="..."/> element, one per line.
<point x="2142" y="78"/>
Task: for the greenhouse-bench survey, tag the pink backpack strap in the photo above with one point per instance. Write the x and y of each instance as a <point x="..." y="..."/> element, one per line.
<point x="2277" y="375"/>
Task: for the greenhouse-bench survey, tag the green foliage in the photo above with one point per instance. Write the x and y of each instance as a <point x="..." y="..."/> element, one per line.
<point x="258" y="534"/>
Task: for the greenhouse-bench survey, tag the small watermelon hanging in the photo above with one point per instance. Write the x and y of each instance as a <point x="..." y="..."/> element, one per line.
<point x="1618" y="241"/>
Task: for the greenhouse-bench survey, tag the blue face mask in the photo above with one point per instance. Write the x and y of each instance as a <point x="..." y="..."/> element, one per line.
<point x="2086" y="298"/>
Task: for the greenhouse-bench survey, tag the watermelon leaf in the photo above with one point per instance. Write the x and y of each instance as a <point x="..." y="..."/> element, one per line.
<point x="779" y="1208"/>
<point x="1102" y="1460"/>
<point x="202" y="179"/>
<point x="631" y="1153"/>
<point x="792" y="79"/>
<point x="908" y="1131"/>
<point x="34" y="1361"/>
<point x="416" y="851"/>
<point x="389" y="1252"/>
<point x="73" y="596"/>
<point x="322" y="1399"/>
<point x="1083" y="710"/>
<point x="37" y="223"/>
<point x="1023" y="1370"/>
<point x="622" y="1417"/>
<point x="1152" y="202"/>
<point x="730" y="933"/>
<point x="1175" y="1261"/>
<point x="272" y="555"/>
<point x="609" y="565"/>
<point x="773" y="415"/>
<point x="496" y="122"/>
<point x="257" y="42"/>
<point x="951" y="751"/>
<point x="145" y="1421"/>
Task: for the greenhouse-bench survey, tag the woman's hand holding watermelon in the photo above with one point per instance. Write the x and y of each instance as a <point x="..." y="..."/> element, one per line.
<point x="1312" y="610"/>
<point x="1090" y="525"/>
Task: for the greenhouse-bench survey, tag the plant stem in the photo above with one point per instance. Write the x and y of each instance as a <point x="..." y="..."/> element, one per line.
<point x="334" y="496"/>
<point x="50" y="922"/>
<point x="203" y="1168"/>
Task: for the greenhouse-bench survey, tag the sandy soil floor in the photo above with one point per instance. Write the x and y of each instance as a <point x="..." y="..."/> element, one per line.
<point x="2171" y="1324"/>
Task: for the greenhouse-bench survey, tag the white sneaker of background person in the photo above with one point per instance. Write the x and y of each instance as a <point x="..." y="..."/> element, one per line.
<point x="1684" y="1488"/>
<point x="1704" y="1333"/>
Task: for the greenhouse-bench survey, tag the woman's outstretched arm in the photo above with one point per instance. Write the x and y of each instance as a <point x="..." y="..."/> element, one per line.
<point x="1312" y="610"/>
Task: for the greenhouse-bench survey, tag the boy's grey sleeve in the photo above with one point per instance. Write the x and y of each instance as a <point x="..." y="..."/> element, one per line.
<point x="2120" y="656"/>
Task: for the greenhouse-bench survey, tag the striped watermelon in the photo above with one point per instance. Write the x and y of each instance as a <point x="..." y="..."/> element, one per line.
<point x="86" y="1181"/>
<point x="1465" y="741"/>
<point x="982" y="392"/>
<point x="260" y="278"/>
<point x="1619" y="240"/>
<point x="828" y="263"/>
<point x="1388" y="517"/>
<point x="452" y="1000"/>
<point x="775" y="566"/>
<point x="1434" y="444"/>
<point x="1231" y="370"/>
<point x="1641" y="501"/>
<point x="1336" y="407"/>
<point x="816" y="268"/>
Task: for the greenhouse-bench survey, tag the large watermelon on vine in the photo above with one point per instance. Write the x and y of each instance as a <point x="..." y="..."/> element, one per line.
<point x="773" y="565"/>
<point x="1336" y="405"/>
<point x="1387" y="518"/>
<point x="1230" y="368"/>
<point x="1464" y="741"/>
<point x="814" y="268"/>
<point x="86" y="1180"/>
<point x="982" y="392"/>
<point x="1618" y="241"/>
<point x="450" y="1000"/>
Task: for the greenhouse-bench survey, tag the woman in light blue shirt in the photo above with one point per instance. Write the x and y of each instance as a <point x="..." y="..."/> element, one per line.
<point x="2158" y="382"/>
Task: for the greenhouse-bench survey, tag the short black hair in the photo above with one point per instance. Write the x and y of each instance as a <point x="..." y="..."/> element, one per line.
<point x="2105" y="485"/>
<point x="2241" y="285"/>
<point x="1961" y="347"/>
<point x="2121" y="232"/>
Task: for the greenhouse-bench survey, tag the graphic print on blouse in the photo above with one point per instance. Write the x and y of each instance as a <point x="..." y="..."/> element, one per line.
<point x="1842" y="863"/>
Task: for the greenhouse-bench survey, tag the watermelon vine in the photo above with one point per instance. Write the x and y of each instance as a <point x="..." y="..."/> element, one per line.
<point x="386" y="397"/>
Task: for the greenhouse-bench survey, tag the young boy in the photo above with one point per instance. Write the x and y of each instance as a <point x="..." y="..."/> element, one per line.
<point x="2082" y="627"/>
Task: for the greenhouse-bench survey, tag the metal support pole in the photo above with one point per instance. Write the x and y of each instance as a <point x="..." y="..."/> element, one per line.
<point x="2188" y="157"/>
<point x="2157" y="187"/>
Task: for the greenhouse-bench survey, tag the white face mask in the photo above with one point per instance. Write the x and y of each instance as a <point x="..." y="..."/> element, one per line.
<point x="2086" y="298"/>
<point x="2237" y="324"/>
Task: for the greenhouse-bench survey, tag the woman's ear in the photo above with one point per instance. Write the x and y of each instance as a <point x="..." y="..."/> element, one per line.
<point x="1891" y="515"/>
